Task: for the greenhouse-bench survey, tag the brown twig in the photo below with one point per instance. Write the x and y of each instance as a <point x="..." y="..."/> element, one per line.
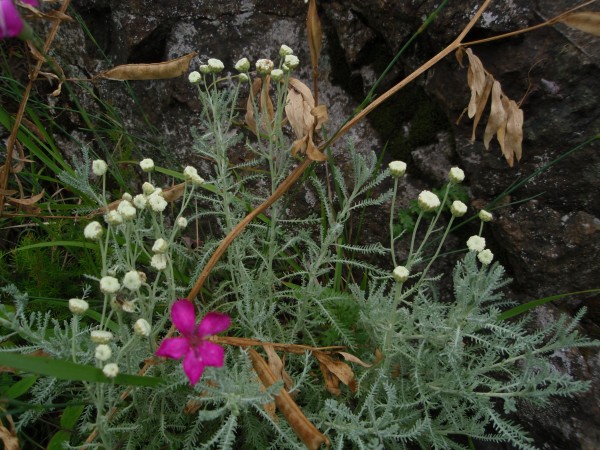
<point x="21" y="111"/>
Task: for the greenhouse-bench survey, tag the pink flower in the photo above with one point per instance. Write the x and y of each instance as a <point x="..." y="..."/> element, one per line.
<point x="11" y="24"/>
<point x="196" y="350"/>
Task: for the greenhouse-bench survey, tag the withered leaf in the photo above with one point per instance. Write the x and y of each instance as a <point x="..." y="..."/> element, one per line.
<point x="477" y="80"/>
<point x="265" y="106"/>
<point x="155" y="71"/>
<point x="497" y="120"/>
<point x="333" y="371"/>
<point x="588" y="21"/>
<point x="9" y="435"/>
<point x="299" y="107"/>
<point x="276" y="366"/>
<point x="315" y="34"/>
<point x="482" y="101"/>
<point x="514" y="133"/>
<point x="350" y="357"/>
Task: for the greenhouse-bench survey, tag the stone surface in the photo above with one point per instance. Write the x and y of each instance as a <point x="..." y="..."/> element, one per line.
<point x="547" y="233"/>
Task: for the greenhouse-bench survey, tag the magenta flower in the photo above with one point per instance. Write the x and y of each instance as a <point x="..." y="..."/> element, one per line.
<point x="11" y="24"/>
<point x="196" y="350"/>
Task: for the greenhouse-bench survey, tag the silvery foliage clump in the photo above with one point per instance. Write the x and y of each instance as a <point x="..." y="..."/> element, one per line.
<point x="449" y="366"/>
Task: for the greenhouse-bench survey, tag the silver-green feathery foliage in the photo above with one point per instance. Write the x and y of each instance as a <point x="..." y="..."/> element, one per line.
<point x="448" y="367"/>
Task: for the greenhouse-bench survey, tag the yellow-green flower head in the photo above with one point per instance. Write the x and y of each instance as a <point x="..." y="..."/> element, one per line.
<point x="284" y="51"/>
<point x="290" y="62"/>
<point x="264" y="66"/>
<point x="277" y="74"/>
<point x="456" y="175"/>
<point x="458" y="208"/>
<point x="101" y="336"/>
<point x="485" y="257"/>
<point x="397" y="168"/>
<point x="401" y="274"/>
<point x="243" y="65"/>
<point x="215" y="65"/>
<point x="194" y="77"/>
<point x="428" y="201"/>
<point x="485" y="216"/>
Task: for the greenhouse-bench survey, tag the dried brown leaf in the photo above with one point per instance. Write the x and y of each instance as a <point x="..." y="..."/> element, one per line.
<point x="476" y="79"/>
<point x="514" y="133"/>
<point x="489" y="81"/>
<point x="335" y="369"/>
<point x="299" y="108"/>
<point x="277" y="367"/>
<point x="313" y="152"/>
<point x="350" y="357"/>
<point x="249" y="118"/>
<point x="155" y="71"/>
<point x="497" y="120"/>
<point x="266" y="107"/>
<point x="9" y="435"/>
<point x="315" y="34"/>
<point x="587" y="21"/>
<point x="320" y="114"/>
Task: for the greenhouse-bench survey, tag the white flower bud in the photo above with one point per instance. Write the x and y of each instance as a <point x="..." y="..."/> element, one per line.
<point x="147" y="165"/>
<point x="148" y="188"/>
<point x="99" y="167"/>
<point x="103" y="352"/>
<point x="485" y="216"/>
<point x="109" y="285"/>
<point x="182" y="222"/>
<point x="159" y="261"/>
<point x="284" y="51"/>
<point x="113" y="218"/>
<point x="401" y="274"/>
<point x="194" y="77"/>
<point x="458" y="208"/>
<point x="191" y="174"/>
<point x="204" y="68"/>
<point x="264" y="66"/>
<point x="428" y="201"/>
<point x="132" y="281"/>
<point x="78" y="306"/>
<point x="160" y="246"/>
<point x="142" y="327"/>
<point x="128" y="306"/>
<point x="243" y="65"/>
<point x="290" y="62"/>
<point x="111" y="370"/>
<point x="215" y="65"/>
<point x="277" y="74"/>
<point x="126" y="210"/>
<point x="397" y="168"/>
<point x="126" y="196"/>
<point x="243" y="78"/>
<point x="93" y="231"/>
<point x="101" y="337"/>
<point x="157" y="202"/>
<point x="456" y="175"/>
<point x="476" y="243"/>
<point x="140" y="201"/>
<point x="485" y="257"/>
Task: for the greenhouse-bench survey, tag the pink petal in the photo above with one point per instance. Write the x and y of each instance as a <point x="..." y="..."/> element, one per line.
<point x="11" y="23"/>
<point x="193" y="367"/>
<point x="31" y="2"/>
<point x="173" y="347"/>
<point x="211" y="353"/>
<point x="213" y="323"/>
<point x="183" y="316"/>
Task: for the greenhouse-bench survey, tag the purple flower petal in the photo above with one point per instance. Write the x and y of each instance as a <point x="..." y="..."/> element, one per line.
<point x="31" y="2"/>
<point x="212" y="354"/>
<point x="183" y="316"/>
<point x="174" y="347"/>
<point x="193" y="367"/>
<point x="11" y="23"/>
<point x="213" y="323"/>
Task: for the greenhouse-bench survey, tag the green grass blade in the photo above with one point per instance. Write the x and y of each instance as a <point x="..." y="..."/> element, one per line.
<point x="67" y="370"/>
<point x="540" y="301"/>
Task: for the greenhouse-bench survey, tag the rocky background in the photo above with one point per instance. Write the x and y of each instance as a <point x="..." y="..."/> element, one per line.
<point x="547" y="233"/>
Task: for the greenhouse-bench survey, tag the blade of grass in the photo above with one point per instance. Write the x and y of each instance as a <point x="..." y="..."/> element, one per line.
<point x="517" y="310"/>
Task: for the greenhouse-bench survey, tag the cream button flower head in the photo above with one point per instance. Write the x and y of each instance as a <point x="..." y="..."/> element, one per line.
<point x="277" y="74"/>
<point x="140" y="201"/>
<point x="290" y="62"/>
<point x="485" y="256"/>
<point x="109" y="285"/>
<point x="159" y="261"/>
<point x="428" y="201"/>
<point x="103" y="352"/>
<point x="191" y="174"/>
<point x="243" y="65"/>
<point x="401" y="274"/>
<point x="194" y="77"/>
<point x="126" y="196"/>
<point x="485" y="216"/>
<point x="284" y="51"/>
<point x="142" y="328"/>
<point x="215" y="65"/>
<point x="458" y="208"/>
<point x="157" y="202"/>
<point x="264" y="66"/>
<point x="111" y="370"/>
<point x="148" y="188"/>
<point x="132" y="280"/>
<point x="160" y="246"/>
<point x="78" y="306"/>
<point x="126" y="210"/>
<point x="147" y="165"/>
<point x="476" y="243"/>
<point x="93" y="231"/>
<point x="113" y="218"/>
<point x="456" y="175"/>
<point x="397" y="168"/>
<point x="101" y="337"/>
<point x="99" y="167"/>
<point x="204" y="68"/>
<point x="182" y="222"/>
<point x="244" y="78"/>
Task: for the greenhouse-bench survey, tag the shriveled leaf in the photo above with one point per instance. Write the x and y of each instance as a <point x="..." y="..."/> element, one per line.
<point x="333" y="369"/>
<point x="265" y="107"/>
<point x="276" y="366"/>
<point x="514" y="133"/>
<point x="315" y="34"/>
<point x="267" y="112"/>
<point x="482" y="101"/>
<point x="9" y="435"/>
<point x="587" y="21"/>
<point x="249" y="118"/>
<point x="299" y="108"/>
<point x="476" y="79"/>
<point x="155" y="71"/>
<point x="350" y="357"/>
<point x="497" y="119"/>
<point x="313" y="152"/>
<point x="320" y="114"/>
